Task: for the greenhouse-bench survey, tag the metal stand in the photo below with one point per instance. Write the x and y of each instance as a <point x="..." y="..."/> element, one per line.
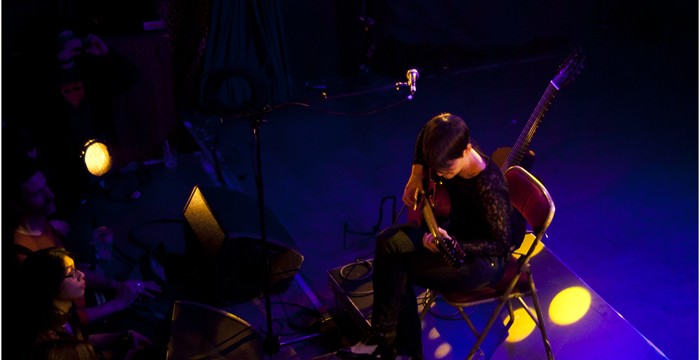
<point x="271" y="343"/>
<point x="375" y="228"/>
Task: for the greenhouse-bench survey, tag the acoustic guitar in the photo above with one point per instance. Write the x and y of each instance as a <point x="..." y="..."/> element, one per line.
<point x="450" y="249"/>
<point x="506" y="157"/>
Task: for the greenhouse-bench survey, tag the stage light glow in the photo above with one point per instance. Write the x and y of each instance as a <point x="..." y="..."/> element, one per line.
<point x="97" y="158"/>
<point x="570" y="305"/>
<point x="433" y="334"/>
<point x="527" y="242"/>
<point x="522" y="326"/>
<point x="442" y="351"/>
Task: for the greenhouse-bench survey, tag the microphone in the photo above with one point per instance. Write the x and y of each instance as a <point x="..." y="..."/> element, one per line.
<point x="412" y="76"/>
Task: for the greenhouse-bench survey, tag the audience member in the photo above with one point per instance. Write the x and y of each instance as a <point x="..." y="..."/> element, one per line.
<point x="48" y="285"/>
<point x="30" y="207"/>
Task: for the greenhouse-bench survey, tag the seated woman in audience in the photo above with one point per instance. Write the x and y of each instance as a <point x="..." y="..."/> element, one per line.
<point x="48" y="283"/>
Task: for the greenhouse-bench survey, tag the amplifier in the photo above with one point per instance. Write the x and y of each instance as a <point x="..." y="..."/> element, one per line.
<point x="354" y="293"/>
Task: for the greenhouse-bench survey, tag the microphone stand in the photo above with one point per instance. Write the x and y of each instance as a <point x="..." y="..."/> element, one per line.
<point x="271" y="343"/>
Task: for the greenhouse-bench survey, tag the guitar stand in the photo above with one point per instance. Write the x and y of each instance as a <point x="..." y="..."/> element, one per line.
<point x="375" y="228"/>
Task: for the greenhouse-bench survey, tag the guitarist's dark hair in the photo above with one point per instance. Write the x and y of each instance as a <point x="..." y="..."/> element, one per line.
<point x="445" y="137"/>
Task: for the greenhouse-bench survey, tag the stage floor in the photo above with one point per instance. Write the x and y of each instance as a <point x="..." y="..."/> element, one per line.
<point x="313" y="319"/>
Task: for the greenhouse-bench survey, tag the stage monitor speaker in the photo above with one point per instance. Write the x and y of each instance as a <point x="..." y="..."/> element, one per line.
<point x="199" y="331"/>
<point x="224" y="227"/>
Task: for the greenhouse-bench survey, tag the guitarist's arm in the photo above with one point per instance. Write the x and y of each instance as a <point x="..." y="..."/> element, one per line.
<point x="415" y="181"/>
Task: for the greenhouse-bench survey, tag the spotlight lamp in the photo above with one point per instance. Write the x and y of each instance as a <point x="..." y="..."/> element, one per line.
<point x="97" y="158"/>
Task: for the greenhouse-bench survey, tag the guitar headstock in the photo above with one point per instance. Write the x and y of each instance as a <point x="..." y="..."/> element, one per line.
<point x="568" y="70"/>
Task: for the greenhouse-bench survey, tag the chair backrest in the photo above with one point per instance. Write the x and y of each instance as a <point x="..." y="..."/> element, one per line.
<point x="531" y="199"/>
<point x="199" y="331"/>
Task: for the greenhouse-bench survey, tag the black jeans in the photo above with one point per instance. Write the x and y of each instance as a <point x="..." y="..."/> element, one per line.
<point x="400" y="262"/>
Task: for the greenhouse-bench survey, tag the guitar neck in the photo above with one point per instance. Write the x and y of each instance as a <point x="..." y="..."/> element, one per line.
<point x="430" y="220"/>
<point x="523" y="143"/>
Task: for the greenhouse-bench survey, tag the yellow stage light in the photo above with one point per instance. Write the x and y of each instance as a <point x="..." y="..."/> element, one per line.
<point x="97" y="158"/>
<point x="527" y="242"/>
<point x="522" y="326"/>
<point x="570" y="305"/>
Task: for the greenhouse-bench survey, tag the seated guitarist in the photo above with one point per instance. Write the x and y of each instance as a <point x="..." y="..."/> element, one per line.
<point x="479" y="220"/>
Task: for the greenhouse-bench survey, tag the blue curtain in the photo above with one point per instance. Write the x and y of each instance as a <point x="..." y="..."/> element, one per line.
<point x="244" y="66"/>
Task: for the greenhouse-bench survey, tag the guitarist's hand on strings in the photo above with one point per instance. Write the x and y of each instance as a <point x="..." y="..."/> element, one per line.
<point x="413" y="186"/>
<point x="429" y="241"/>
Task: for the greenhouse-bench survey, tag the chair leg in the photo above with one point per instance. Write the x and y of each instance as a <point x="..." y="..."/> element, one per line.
<point x="535" y="318"/>
<point x="511" y="314"/>
<point x="485" y="331"/>
<point x="428" y="300"/>
<point x="540" y="319"/>
<point x="469" y="322"/>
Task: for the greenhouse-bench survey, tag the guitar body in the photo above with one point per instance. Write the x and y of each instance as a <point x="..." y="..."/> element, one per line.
<point x="436" y="195"/>
<point x="432" y="208"/>
<point x="500" y="156"/>
<point x="449" y="248"/>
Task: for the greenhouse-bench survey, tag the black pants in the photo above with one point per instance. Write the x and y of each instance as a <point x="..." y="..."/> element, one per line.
<point x="400" y="262"/>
